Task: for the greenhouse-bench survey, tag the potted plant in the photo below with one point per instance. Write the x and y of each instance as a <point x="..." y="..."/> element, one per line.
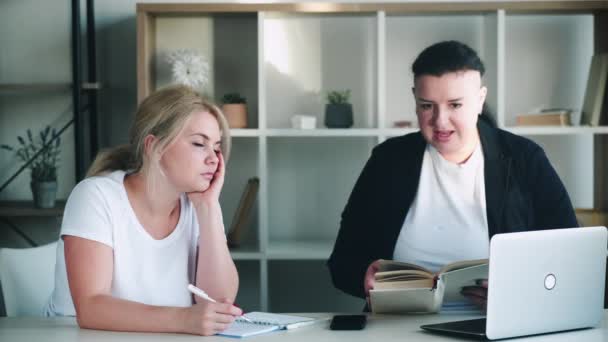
<point x="338" y="110"/>
<point x="234" y="107"/>
<point x="43" y="167"/>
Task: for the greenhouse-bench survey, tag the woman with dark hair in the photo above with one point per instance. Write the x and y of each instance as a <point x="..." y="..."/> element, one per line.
<point x="438" y="195"/>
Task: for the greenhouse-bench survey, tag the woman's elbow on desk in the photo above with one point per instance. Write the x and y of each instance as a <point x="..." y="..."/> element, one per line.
<point x="86" y="313"/>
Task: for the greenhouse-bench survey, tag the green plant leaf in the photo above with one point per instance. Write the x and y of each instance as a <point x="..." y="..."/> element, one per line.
<point x="231" y="98"/>
<point x="338" y="97"/>
<point x="44" y="166"/>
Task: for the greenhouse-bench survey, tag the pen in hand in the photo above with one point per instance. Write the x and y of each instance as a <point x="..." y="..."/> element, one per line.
<point x="198" y="292"/>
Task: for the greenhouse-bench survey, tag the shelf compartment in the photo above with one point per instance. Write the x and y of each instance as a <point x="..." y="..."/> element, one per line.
<point x="242" y="165"/>
<point x="539" y="71"/>
<point x="228" y="41"/>
<point x="311" y="182"/>
<point x="307" y="55"/>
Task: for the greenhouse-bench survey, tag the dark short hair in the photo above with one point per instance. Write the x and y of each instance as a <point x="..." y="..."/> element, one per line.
<point x="451" y="56"/>
<point x="447" y="56"/>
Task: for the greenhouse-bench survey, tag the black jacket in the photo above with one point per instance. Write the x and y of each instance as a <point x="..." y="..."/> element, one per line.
<point x="523" y="192"/>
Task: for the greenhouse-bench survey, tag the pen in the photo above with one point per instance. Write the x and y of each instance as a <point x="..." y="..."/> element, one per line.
<point x="198" y="292"/>
<point x="299" y="325"/>
<point x="306" y="323"/>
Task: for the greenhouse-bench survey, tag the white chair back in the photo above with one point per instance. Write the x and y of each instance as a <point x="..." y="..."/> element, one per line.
<point x="27" y="277"/>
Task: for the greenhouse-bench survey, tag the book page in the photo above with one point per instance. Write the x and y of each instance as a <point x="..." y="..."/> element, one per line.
<point x="405" y="300"/>
<point x="402" y="275"/>
<point x="405" y="284"/>
<point x="456" y="279"/>
<point x="391" y="265"/>
<point x="462" y="264"/>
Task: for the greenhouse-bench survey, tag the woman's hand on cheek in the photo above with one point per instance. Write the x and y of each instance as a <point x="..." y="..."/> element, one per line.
<point x="212" y="193"/>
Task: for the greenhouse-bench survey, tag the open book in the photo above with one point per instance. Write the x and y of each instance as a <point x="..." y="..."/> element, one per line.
<point x="402" y="287"/>
<point x="264" y="322"/>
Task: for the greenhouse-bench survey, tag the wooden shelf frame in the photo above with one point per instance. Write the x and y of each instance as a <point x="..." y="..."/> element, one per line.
<point x="289" y="249"/>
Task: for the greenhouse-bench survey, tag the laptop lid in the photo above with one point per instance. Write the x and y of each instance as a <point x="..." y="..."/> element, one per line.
<point x="546" y="281"/>
<point x="540" y="282"/>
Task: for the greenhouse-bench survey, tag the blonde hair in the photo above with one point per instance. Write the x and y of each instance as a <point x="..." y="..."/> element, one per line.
<point x="163" y="114"/>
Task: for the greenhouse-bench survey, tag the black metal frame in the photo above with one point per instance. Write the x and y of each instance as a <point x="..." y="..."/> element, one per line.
<point x="80" y="125"/>
<point x="92" y="75"/>
<point x="76" y="89"/>
<point x="78" y="93"/>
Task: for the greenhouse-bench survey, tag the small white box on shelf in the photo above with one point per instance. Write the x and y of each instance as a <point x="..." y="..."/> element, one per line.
<point x="303" y="122"/>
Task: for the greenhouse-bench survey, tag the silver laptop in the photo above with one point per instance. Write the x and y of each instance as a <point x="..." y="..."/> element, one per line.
<point x="540" y="282"/>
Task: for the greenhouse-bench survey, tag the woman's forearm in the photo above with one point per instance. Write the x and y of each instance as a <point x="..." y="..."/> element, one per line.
<point x="216" y="273"/>
<point x="105" y="312"/>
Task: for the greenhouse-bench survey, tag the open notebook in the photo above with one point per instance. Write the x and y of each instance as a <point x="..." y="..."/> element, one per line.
<point x="266" y="322"/>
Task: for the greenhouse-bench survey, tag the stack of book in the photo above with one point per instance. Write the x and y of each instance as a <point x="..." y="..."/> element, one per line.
<point x="595" y="101"/>
<point x="546" y="117"/>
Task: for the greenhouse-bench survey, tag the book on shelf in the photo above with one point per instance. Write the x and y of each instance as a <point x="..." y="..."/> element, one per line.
<point x="407" y="288"/>
<point x="595" y="92"/>
<point x="241" y="217"/>
<point x="546" y="117"/>
<point x="588" y="217"/>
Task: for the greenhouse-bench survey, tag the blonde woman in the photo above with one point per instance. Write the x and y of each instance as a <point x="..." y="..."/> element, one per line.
<point x="147" y="222"/>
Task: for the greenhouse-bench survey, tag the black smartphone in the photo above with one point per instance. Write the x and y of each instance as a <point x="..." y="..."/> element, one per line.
<point x="348" y="322"/>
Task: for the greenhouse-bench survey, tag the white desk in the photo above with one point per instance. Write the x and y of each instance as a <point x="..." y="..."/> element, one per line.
<point x="379" y="328"/>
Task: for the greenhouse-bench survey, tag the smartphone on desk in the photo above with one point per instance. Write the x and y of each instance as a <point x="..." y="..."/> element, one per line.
<point x="348" y="322"/>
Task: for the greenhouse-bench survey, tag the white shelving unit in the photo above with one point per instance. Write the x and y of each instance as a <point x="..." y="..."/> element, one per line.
<point x="289" y="55"/>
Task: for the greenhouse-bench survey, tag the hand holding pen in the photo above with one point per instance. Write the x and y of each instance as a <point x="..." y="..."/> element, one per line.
<point x="202" y="294"/>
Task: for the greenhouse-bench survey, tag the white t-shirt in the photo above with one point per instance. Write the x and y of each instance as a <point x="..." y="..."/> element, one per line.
<point x="447" y="220"/>
<point x="146" y="270"/>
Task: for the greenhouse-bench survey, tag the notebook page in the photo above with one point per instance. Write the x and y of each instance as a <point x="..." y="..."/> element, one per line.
<point x="266" y="318"/>
<point x="244" y="329"/>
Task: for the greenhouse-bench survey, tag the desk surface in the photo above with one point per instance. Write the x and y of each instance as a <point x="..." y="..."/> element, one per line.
<point x="379" y="328"/>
